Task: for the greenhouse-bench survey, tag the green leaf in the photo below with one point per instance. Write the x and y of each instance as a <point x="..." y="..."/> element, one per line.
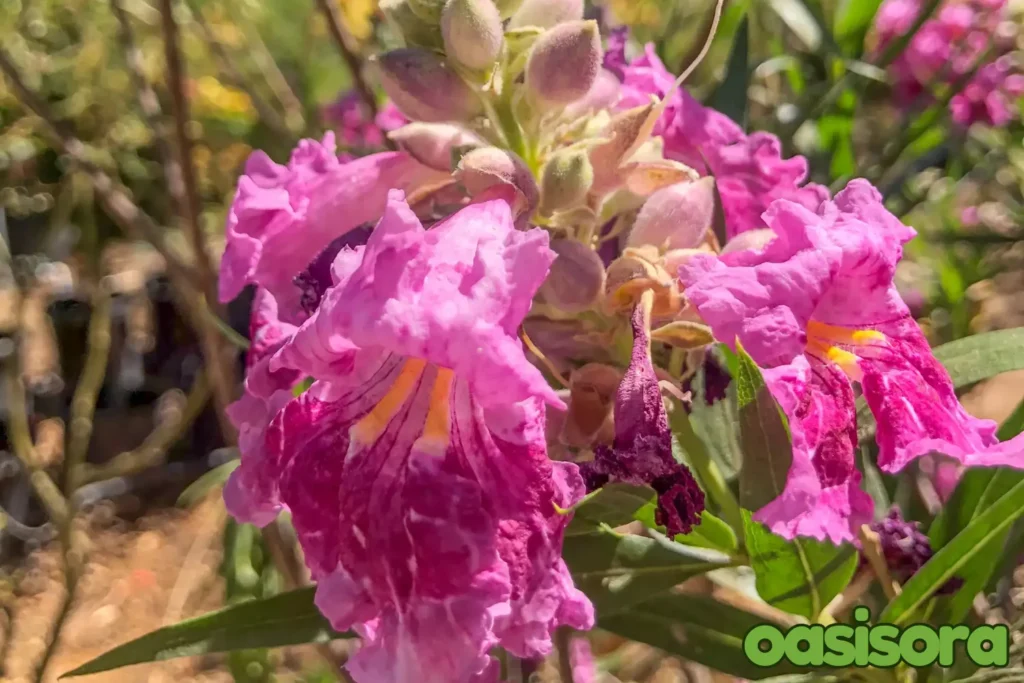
<point x="695" y="627"/>
<point x="767" y="453"/>
<point x="614" y="505"/>
<point x="285" y="619"/>
<point x="730" y="97"/>
<point x="978" y="489"/>
<point x="852" y="21"/>
<point x="198" y="489"/>
<point x="616" y="571"/>
<point x="717" y="426"/>
<point x="981" y="356"/>
<point x="954" y="556"/>
<point x="799" y="576"/>
<point x="801" y="21"/>
<point x="711" y="533"/>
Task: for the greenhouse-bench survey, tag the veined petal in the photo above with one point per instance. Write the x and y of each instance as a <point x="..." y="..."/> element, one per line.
<point x="282" y="216"/>
<point x="415" y="468"/>
<point x="822" y="497"/>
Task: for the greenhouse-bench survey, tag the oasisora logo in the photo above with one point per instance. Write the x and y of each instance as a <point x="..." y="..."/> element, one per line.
<point x="881" y="646"/>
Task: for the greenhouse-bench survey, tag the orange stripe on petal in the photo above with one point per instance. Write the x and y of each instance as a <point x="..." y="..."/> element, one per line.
<point x="369" y="429"/>
<point x="437" y="429"/>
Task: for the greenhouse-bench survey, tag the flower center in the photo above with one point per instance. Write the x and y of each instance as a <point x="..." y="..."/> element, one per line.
<point x="833" y="343"/>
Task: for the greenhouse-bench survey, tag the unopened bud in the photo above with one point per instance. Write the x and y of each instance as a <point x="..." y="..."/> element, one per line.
<point x="576" y="278"/>
<point x="602" y="95"/>
<point x="564" y="63"/>
<point x="481" y="169"/>
<point x="565" y="182"/>
<point x="424" y="88"/>
<point x="473" y="34"/>
<point x="415" y="31"/>
<point x="751" y="239"/>
<point x="546" y="13"/>
<point x="431" y="144"/>
<point x="591" y="399"/>
<point x="676" y="217"/>
<point x="637" y="270"/>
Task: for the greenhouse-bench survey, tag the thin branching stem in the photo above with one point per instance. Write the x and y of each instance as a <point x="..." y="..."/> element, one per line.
<point x="341" y="39"/>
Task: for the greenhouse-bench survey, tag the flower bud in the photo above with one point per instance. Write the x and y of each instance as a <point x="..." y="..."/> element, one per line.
<point x="424" y="88"/>
<point x="637" y="270"/>
<point x="684" y="334"/>
<point x="431" y="144"/>
<point x="565" y="182"/>
<point x="602" y="95"/>
<point x="751" y="239"/>
<point x="415" y="31"/>
<point x="576" y="278"/>
<point x="473" y="34"/>
<point x="546" y="13"/>
<point x="484" y="168"/>
<point x="676" y="217"/>
<point x="591" y="397"/>
<point x="564" y="63"/>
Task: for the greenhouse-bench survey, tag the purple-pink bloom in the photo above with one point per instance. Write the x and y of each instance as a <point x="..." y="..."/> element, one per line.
<point x="641" y="452"/>
<point x="581" y="661"/>
<point x="817" y="309"/>
<point x="415" y="467"/>
<point x="348" y="115"/>
<point x="749" y="169"/>
<point x="952" y="45"/>
<point x="283" y="216"/>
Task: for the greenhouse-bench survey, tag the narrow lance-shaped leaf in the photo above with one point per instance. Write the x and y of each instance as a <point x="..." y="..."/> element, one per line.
<point x="285" y="619"/>
<point x="799" y="576"/>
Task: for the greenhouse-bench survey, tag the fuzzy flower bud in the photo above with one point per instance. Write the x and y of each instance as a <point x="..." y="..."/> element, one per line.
<point x="473" y="34"/>
<point x="576" y="278"/>
<point x="487" y="167"/>
<point x="676" y="217"/>
<point x="591" y="397"/>
<point x="564" y="63"/>
<point x="546" y="13"/>
<point x="424" y="88"/>
<point x="566" y="180"/>
<point x="415" y="31"/>
<point x="432" y="144"/>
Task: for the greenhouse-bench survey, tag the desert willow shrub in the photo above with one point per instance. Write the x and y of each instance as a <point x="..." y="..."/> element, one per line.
<point x="550" y="193"/>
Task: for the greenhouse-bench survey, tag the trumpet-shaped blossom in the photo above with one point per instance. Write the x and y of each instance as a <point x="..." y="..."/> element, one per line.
<point x="817" y="309"/>
<point x="415" y="466"/>
<point x="749" y="169"/>
<point x="642" y="449"/>
<point x="962" y="40"/>
<point x="283" y="216"/>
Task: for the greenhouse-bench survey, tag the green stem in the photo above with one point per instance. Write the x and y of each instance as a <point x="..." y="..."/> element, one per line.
<point x="510" y="126"/>
<point x="706" y="468"/>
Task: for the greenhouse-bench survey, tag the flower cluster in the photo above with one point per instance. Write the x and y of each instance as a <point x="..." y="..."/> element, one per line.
<point x="393" y="408"/>
<point x="963" y="46"/>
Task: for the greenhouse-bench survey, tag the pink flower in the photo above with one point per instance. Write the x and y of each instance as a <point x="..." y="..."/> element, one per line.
<point x="818" y="310"/>
<point x="945" y="50"/>
<point x="749" y="169"/>
<point x="282" y="216"/>
<point x="415" y="467"/>
<point x="348" y="115"/>
<point x="642" y="450"/>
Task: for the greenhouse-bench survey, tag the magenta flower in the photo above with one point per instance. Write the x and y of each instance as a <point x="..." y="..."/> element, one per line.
<point x="749" y="169"/>
<point x="642" y="449"/>
<point x="415" y="467"/>
<point x="818" y="310"/>
<point x="283" y="216"/>
<point x="948" y="47"/>
<point x="348" y="115"/>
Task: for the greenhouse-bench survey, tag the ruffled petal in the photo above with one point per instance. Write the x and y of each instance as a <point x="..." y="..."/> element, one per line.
<point x="822" y="497"/>
<point x="415" y="468"/>
<point x="283" y="216"/>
